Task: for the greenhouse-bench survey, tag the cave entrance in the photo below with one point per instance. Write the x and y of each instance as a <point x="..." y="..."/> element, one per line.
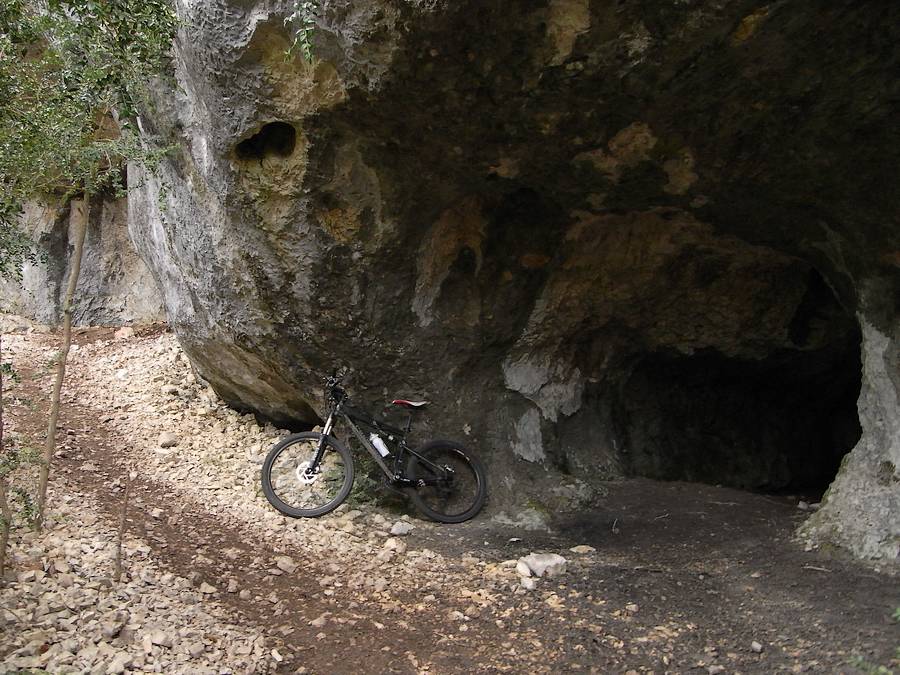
<point x="275" y="139"/>
<point x="780" y="423"/>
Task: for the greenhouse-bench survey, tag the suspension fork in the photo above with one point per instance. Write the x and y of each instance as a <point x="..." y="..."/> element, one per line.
<point x="320" y="451"/>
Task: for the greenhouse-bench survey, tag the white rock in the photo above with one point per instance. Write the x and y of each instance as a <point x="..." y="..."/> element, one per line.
<point x="522" y="569"/>
<point x="394" y="544"/>
<point x="756" y="647"/>
<point x="207" y="589"/>
<point x="401" y="528"/>
<point x="124" y="333"/>
<point x="549" y="564"/>
<point x="528" y="583"/>
<point x="158" y="637"/>
<point x="285" y="564"/>
<point x="114" y="626"/>
<point x="167" y="439"/>
<point x="120" y="662"/>
<point x="582" y="549"/>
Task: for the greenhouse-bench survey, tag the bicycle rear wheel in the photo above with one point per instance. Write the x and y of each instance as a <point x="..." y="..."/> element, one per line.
<point x="295" y="490"/>
<point x="454" y="483"/>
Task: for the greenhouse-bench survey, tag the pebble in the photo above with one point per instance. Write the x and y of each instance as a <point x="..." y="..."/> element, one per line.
<point x="286" y="564"/>
<point x="119" y="663"/>
<point x="401" y="528"/>
<point x="549" y="564"/>
<point x="168" y="440"/>
<point x="582" y="549"/>
<point x="160" y="638"/>
<point x="394" y="544"/>
<point x="756" y="647"/>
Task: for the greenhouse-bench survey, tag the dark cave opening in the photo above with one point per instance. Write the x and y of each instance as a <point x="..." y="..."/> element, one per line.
<point x="780" y="423"/>
<point x="275" y="139"/>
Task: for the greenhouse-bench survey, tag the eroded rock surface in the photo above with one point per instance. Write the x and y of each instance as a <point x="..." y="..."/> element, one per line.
<point x="602" y="239"/>
<point x="115" y="286"/>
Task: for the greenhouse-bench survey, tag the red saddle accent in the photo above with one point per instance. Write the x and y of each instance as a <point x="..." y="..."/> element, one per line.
<point x="409" y="405"/>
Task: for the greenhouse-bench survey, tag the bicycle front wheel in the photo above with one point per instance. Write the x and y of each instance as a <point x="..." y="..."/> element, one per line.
<point x="296" y="488"/>
<point x="452" y="482"/>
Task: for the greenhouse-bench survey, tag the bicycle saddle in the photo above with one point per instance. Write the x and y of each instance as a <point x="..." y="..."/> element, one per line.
<point x="409" y="405"/>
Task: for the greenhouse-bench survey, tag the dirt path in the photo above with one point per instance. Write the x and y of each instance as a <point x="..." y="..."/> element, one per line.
<point x="683" y="578"/>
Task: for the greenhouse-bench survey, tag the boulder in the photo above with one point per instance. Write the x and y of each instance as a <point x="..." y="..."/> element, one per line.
<point x="601" y="239"/>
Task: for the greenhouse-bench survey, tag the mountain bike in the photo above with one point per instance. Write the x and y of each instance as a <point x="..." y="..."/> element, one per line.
<point x="309" y="474"/>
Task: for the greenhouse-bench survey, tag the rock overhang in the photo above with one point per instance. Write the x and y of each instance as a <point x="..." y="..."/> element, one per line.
<point x="512" y="216"/>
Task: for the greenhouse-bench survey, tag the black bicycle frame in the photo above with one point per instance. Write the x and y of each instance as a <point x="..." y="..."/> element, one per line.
<point x="396" y="436"/>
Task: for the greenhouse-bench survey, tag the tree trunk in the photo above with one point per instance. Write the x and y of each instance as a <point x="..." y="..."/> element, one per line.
<point x="78" y="220"/>
<point x="5" y="525"/>
<point x="118" y="569"/>
<point x="5" y="511"/>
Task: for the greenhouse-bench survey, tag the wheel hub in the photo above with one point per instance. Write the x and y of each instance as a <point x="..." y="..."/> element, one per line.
<point x="304" y="475"/>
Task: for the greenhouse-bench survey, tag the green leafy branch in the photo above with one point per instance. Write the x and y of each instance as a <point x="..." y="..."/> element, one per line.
<point x="303" y="23"/>
<point x="73" y="73"/>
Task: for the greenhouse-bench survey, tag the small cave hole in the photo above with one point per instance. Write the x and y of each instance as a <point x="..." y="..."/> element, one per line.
<point x="782" y="423"/>
<point x="275" y="139"/>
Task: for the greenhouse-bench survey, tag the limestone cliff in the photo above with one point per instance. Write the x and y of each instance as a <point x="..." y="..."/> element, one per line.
<point x="115" y="286"/>
<point x="603" y="238"/>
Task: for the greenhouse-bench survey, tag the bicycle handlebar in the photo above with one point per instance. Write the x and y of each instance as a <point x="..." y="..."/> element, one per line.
<point x="332" y="390"/>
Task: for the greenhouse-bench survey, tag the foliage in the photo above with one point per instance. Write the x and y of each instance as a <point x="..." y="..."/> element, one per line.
<point x="72" y="75"/>
<point x="6" y="370"/>
<point x="303" y="22"/>
<point x="15" y="458"/>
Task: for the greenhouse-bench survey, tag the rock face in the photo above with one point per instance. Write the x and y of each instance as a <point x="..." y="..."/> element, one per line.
<point x="114" y="287"/>
<point x="602" y="239"/>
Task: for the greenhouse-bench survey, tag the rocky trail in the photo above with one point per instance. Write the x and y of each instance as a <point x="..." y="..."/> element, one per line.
<point x="658" y="577"/>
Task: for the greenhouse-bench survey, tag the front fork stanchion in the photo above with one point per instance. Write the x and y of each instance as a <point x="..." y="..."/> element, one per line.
<point x="320" y="451"/>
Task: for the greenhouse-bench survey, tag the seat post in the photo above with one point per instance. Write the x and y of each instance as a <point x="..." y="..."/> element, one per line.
<point x="409" y="422"/>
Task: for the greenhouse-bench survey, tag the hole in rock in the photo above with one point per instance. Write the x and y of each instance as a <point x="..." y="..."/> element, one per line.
<point x="780" y="423"/>
<point x="275" y="139"/>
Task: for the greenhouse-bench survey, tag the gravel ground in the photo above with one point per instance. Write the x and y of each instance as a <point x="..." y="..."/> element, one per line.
<point x="657" y="577"/>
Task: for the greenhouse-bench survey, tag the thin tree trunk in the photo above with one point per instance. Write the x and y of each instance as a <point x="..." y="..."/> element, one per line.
<point x="5" y="511"/>
<point x="118" y="571"/>
<point x="78" y="220"/>
<point x="6" y="521"/>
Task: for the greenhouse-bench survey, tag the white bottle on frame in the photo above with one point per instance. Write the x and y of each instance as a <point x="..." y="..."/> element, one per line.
<point x="379" y="444"/>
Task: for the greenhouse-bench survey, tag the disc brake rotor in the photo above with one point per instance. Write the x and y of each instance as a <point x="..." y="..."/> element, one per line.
<point x="304" y="476"/>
